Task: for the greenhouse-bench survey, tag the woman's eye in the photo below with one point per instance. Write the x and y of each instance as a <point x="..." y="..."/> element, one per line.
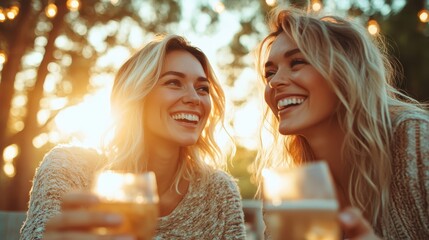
<point x="173" y="82"/>
<point x="297" y="61"/>
<point x="269" y="73"/>
<point x="204" y="89"/>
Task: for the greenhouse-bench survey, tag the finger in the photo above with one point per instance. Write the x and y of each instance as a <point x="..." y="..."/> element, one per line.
<point x="82" y="219"/>
<point x="354" y="224"/>
<point x="76" y="200"/>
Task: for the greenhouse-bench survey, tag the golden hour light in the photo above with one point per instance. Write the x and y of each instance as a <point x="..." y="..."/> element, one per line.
<point x="316" y="5"/>
<point x="373" y="27"/>
<point x="73" y="5"/>
<point x="271" y="2"/>
<point x="10" y="152"/>
<point x="9" y="170"/>
<point x="423" y="15"/>
<point x="88" y="120"/>
<point x="51" y="10"/>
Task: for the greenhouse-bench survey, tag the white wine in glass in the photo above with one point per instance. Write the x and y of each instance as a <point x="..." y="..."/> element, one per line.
<point x="300" y="203"/>
<point x="134" y="196"/>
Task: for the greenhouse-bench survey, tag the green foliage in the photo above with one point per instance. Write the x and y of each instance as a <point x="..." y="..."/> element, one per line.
<point x="240" y="168"/>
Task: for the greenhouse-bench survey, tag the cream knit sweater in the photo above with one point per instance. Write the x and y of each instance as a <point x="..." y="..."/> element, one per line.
<point x="210" y="209"/>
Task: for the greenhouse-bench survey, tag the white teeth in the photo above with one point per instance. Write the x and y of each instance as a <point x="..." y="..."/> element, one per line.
<point x="289" y="101"/>
<point x="186" y="116"/>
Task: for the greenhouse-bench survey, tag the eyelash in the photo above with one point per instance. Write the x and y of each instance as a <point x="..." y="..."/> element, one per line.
<point x="292" y="64"/>
<point x="297" y="61"/>
<point x="205" y="89"/>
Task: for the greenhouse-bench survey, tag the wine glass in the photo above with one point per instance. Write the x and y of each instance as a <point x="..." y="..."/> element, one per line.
<point x="134" y="196"/>
<point x="300" y="203"/>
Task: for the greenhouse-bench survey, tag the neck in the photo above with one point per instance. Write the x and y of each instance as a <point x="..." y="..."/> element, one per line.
<point x="164" y="163"/>
<point x="326" y="144"/>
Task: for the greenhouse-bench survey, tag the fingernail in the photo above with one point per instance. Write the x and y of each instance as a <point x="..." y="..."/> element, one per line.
<point x="346" y="218"/>
<point x="113" y="218"/>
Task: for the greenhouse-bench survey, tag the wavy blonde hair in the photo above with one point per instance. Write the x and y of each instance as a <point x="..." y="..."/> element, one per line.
<point x="357" y="67"/>
<point x="134" y="80"/>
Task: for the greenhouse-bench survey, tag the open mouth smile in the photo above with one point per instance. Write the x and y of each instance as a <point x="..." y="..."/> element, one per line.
<point x="186" y="118"/>
<point x="289" y="102"/>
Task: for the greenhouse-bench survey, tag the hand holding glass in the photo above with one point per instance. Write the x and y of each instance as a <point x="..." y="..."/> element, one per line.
<point x="300" y="203"/>
<point x="134" y="196"/>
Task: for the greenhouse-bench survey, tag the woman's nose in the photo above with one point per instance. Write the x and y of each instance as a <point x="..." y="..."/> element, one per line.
<point x="280" y="79"/>
<point x="191" y="96"/>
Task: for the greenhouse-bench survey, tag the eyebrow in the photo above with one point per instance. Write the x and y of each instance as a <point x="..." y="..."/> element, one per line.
<point x="285" y="55"/>
<point x="182" y="75"/>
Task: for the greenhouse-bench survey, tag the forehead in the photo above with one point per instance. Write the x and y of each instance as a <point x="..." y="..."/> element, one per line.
<point x="182" y="60"/>
<point x="281" y="44"/>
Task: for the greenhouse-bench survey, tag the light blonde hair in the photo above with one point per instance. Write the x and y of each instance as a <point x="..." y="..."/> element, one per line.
<point x="357" y="67"/>
<point x="133" y="82"/>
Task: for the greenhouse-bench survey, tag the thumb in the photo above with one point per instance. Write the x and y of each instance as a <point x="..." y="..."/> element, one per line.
<point x="355" y="226"/>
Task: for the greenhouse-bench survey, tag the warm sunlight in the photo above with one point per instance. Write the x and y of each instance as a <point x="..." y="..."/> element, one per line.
<point x="88" y="120"/>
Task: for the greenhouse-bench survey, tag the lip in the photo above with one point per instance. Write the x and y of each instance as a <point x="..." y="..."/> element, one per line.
<point x="187" y="124"/>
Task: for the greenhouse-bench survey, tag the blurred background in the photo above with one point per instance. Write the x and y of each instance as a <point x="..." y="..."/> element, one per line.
<point x="58" y="59"/>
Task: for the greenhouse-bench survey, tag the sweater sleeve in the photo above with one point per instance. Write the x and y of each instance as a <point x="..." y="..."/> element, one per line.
<point x="62" y="170"/>
<point x="234" y="226"/>
<point x="410" y="184"/>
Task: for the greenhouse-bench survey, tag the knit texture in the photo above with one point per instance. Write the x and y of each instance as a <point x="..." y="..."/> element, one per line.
<point x="409" y="202"/>
<point x="211" y="209"/>
<point x="409" y="189"/>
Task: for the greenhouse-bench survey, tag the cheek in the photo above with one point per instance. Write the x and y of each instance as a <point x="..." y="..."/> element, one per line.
<point x="207" y="104"/>
<point x="268" y="96"/>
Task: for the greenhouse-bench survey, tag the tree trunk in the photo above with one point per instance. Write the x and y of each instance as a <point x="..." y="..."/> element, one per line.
<point x="17" y="48"/>
<point x="21" y="183"/>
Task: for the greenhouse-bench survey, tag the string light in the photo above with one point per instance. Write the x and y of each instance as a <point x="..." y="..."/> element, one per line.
<point x="423" y="15"/>
<point x="2" y="16"/>
<point x="51" y="10"/>
<point x="73" y="5"/>
<point x="3" y="57"/>
<point x="13" y="12"/>
<point x="219" y="7"/>
<point x="271" y="2"/>
<point x="373" y="27"/>
<point x="316" y="5"/>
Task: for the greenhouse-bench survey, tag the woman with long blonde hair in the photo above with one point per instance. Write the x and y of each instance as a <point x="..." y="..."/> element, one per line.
<point x="167" y="104"/>
<point x="329" y="89"/>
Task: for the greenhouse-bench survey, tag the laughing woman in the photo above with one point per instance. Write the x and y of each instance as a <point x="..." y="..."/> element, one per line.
<point x="329" y="95"/>
<point x="167" y="104"/>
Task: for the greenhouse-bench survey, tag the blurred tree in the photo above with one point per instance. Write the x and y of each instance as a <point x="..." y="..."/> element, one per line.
<point x="241" y="169"/>
<point x="32" y="36"/>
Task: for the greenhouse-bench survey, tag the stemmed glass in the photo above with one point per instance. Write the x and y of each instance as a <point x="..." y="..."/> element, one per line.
<point x="300" y="203"/>
<point x="134" y="196"/>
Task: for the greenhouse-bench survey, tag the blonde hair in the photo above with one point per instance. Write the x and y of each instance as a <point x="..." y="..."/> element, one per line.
<point x="358" y="69"/>
<point x="134" y="80"/>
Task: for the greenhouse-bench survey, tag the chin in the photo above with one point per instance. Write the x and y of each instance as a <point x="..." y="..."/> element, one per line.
<point x="188" y="142"/>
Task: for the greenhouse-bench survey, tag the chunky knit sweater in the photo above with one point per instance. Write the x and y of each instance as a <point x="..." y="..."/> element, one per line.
<point x="409" y="189"/>
<point x="211" y="209"/>
<point x="409" y="202"/>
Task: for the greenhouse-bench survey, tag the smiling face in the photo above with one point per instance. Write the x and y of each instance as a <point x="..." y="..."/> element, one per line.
<point x="177" y="108"/>
<point x="297" y="94"/>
